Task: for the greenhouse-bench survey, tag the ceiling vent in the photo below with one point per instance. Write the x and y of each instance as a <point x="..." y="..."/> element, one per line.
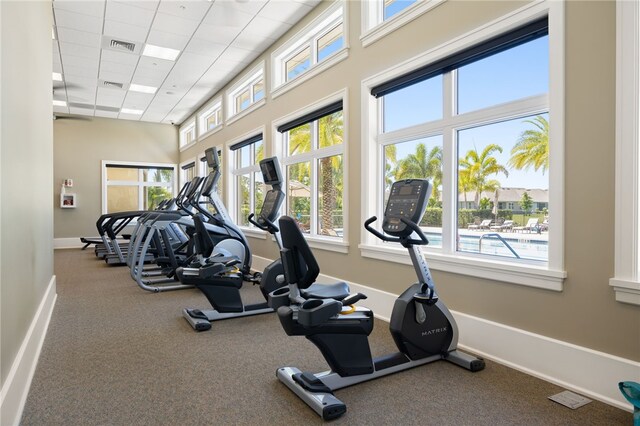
<point x="112" y="84"/>
<point x="120" y="45"/>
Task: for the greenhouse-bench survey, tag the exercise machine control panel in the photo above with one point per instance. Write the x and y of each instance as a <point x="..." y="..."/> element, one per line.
<point x="407" y="199"/>
<point x="271" y="206"/>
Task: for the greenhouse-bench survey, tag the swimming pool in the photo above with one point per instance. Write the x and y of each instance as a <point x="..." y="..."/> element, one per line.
<point x="525" y="245"/>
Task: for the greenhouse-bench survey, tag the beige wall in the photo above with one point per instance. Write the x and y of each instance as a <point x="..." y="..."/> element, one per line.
<point x="27" y="170"/>
<point x="585" y="312"/>
<point x="81" y="145"/>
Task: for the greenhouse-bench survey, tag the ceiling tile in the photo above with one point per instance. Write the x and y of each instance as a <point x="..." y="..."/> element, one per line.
<point x="269" y="26"/>
<point x="161" y="65"/>
<point x="85" y="72"/>
<point x="217" y="34"/>
<point x="78" y="21"/>
<point x="82" y="82"/>
<point x="83" y="38"/>
<point x="137" y="100"/>
<point x="164" y="39"/>
<point x="145" y="4"/>
<point x="92" y="8"/>
<point x="185" y="9"/>
<point x="125" y="13"/>
<point x="173" y="24"/>
<point x="119" y="57"/>
<point x="115" y="67"/>
<point x="284" y="11"/>
<point x="251" y="7"/>
<point x="110" y="97"/>
<point x="122" y="31"/>
<point x="235" y="54"/>
<point x="251" y="41"/>
<point x="222" y="15"/>
<point x="106" y="114"/>
<point x="147" y="80"/>
<point x="205" y="48"/>
<point x="133" y="117"/>
<point x="61" y="109"/>
<point x="57" y="67"/>
<point x="115" y="77"/>
<point x="154" y="117"/>
<point x="81" y="111"/>
<point x="72" y="49"/>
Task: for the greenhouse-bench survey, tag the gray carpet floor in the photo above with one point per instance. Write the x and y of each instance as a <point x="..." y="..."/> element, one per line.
<point x="117" y="355"/>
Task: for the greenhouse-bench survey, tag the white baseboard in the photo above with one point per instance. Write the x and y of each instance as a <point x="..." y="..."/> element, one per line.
<point x="16" y="386"/>
<point x="67" y="243"/>
<point x="591" y="373"/>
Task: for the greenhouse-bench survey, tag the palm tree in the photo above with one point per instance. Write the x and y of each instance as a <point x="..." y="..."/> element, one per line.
<point x="422" y="164"/>
<point x="331" y="132"/>
<point x="532" y="148"/>
<point x="477" y="167"/>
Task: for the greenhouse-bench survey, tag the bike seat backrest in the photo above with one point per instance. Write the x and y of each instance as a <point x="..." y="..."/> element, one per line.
<point x="202" y="239"/>
<point x="300" y="266"/>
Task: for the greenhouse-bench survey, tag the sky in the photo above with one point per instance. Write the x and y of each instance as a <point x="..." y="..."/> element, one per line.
<point x="514" y="74"/>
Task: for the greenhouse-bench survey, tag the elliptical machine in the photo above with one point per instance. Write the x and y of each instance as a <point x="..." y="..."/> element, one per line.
<point x="216" y="276"/>
<point x="421" y="325"/>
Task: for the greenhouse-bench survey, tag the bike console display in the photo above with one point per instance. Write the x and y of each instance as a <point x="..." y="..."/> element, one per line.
<point x="407" y="200"/>
<point x="271" y="205"/>
<point x="271" y="171"/>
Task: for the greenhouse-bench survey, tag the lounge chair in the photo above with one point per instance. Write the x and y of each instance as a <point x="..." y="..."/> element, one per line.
<point x="483" y="225"/>
<point x="505" y="227"/>
<point x="532" y="225"/>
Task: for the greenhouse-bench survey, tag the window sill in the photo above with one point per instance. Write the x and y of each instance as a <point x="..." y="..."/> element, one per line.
<point x="329" y="244"/>
<point x="253" y="233"/>
<point x="283" y="88"/>
<point x="626" y="291"/>
<point x="527" y="275"/>
<point x="210" y="132"/>
<point x="189" y="145"/>
<point x="381" y="30"/>
<point x="254" y="106"/>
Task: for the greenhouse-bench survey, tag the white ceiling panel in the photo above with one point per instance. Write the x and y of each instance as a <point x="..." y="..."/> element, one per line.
<point x="128" y="14"/>
<point x="82" y="38"/>
<point x="164" y="39"/>
<point x="205" y="48"/>
<point x="78" y="21"/>
<point x="133" y="117"/>
<point x="217" y="34"/>
<point x="106" y="114"/>
<point x="115" y="77"/>
<point x="145" y="4"/>
<point x="216" y="40"/>
<point x="122" y="31"/>
<point x="61" y="109"/>
<point x="80" y="111"/>
<point x="222" y="15"/>
<point x="119" y="57"/>
<point x="117" y="68"/>
<point x="185" y="9"/>
<point x="73" y="49"/>
<point x="93" y="8"/>
<point x="175" y="25"/>
<point x="283" y="12"/>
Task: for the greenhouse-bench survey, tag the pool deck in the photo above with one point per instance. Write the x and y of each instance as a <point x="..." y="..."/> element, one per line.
<point x="520" y="236"/>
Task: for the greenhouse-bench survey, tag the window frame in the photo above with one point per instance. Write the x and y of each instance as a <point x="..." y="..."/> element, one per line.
<point x="139" y="183"/>
<point x="550" y="276"/>
<point x="336" y="244"/>
<point x="187" y="127"/>
<point x="232" y="183"/>
<point x="626" y="280"/>
<point x="246" y="82"/>
<point x="374" y="27"/>
<point x="183" y="172"/>
<point x="308" y="37"/>
<point x="213" y="108"/>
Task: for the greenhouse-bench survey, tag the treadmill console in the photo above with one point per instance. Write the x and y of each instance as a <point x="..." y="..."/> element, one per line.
<point x="271" y="205"/>
<point x="408" y="199"/>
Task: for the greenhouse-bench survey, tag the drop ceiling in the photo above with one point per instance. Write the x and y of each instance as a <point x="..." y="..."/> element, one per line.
<point x="100" y="63"/>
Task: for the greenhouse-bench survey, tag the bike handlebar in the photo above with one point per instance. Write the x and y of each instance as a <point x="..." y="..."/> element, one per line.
<point x="413" y="226"/>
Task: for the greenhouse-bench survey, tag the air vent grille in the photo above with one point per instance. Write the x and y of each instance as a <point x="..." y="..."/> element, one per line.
<point x="122" y="45"/>
<point x="113" y="84"/>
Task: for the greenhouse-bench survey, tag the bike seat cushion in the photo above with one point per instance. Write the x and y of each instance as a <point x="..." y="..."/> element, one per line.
<point x="336" y="291"/>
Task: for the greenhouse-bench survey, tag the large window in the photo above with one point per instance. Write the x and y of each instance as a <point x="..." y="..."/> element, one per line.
<point x="313" y="162"/>
<point x="188" y="171"/>
<point x="476" y="122"/>
<point x="130" y="186"/>
<point x="248" y="91"/>
<point x="211" y="118"/>
<point x="318" y="45"/>
<point x="188" y="134"/>
<point x="626" y="281"/>
<point x="248" y="186"/>
<point x="380" y="17"/>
